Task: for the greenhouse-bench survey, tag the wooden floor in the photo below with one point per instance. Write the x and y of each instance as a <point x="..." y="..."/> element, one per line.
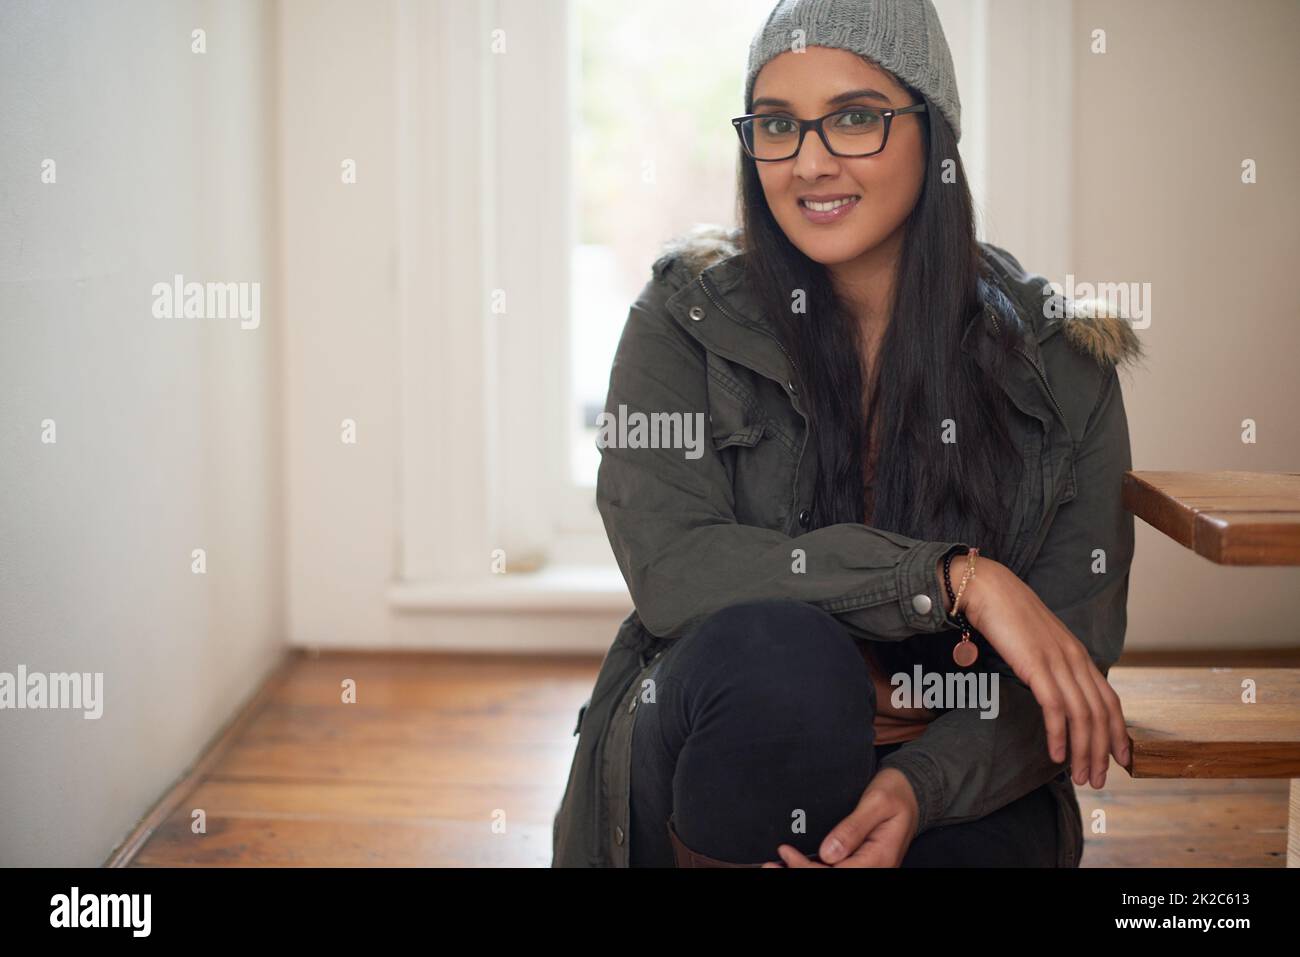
<point x="460" y="760"/>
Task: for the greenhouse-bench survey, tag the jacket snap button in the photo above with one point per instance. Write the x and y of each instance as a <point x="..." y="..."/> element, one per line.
<point x="805" y="517"/>
<point x="696" y="313"/>
<point x="618" y="835"/>
<point x="922" y="603"/>
<point x="793" y="390"/>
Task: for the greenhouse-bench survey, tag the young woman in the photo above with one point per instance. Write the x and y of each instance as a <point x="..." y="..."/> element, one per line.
<point x="901" y="421"/>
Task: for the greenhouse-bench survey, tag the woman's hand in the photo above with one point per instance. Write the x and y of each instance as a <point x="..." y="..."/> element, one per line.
<point x="877" y="833"/>
<point x="1047" y="657"/>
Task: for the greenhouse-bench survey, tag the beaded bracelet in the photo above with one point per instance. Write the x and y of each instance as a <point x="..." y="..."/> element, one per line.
<point x="965" y="651"/>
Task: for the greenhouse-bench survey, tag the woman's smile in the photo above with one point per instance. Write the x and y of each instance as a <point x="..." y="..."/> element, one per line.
<point x="821" y="210"/>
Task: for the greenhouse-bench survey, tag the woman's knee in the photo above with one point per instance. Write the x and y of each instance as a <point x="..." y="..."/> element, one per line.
<point x="779" y="704"/>
<point x="757" y="630"/>
<point x="779" y="648"/>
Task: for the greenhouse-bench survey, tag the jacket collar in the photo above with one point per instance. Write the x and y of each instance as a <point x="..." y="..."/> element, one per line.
<point x="718" y="308"/>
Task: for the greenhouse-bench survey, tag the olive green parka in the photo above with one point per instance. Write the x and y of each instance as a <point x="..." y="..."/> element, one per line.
<point x="694" y="535"/>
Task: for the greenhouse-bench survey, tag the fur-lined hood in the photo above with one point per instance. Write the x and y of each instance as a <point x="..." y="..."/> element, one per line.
<point x="1089" y="325"/>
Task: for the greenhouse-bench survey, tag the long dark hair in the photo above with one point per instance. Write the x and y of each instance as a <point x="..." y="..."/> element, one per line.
<point x="924" y="488"/>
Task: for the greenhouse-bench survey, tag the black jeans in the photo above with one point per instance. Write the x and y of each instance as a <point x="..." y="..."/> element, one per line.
<point x="761" y="716"/>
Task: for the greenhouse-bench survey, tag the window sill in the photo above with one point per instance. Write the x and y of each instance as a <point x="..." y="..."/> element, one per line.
<point x="560" y="588"/>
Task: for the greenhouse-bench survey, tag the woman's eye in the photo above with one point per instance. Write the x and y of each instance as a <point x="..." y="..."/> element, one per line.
<point x="772" y="126"/>
<point x="860" y="119"/>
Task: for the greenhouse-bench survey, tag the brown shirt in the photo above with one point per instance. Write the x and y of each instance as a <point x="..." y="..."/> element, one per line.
<point x="891" y="724"/>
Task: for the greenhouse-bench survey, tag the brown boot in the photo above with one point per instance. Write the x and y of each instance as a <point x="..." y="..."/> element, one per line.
<point x="688" y="858"/>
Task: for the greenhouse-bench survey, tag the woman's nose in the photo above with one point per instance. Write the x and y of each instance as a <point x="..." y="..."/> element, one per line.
<point x="814" y="160"/>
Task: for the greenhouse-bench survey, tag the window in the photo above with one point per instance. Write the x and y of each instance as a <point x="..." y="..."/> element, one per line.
<point x="653" y="154"/>
<point x="586" y="134"/>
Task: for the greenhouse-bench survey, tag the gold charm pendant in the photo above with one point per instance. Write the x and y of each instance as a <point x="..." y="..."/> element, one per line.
<point x="965" y="651"/>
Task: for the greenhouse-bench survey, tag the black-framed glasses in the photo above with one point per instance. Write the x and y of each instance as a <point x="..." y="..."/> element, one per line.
<point x="857" y="131"/>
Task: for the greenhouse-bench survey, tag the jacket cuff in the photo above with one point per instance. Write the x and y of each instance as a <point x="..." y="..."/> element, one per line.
<point x="926" y="780"/>
<point x="922" y="598"/>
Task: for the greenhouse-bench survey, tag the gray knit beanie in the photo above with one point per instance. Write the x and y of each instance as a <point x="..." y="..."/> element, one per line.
<point x="903" y="36"/>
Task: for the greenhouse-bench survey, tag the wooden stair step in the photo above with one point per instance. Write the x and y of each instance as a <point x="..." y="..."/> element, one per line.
<point x="1195" y="723"/>
<point x="1229" y="517"/>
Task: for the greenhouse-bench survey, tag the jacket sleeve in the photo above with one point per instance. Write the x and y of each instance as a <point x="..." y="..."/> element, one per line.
<point x="964" y="766"/>
<point x="672" y="526"/>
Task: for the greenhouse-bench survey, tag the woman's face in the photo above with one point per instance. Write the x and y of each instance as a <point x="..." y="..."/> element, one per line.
<point x="805" y="85"/>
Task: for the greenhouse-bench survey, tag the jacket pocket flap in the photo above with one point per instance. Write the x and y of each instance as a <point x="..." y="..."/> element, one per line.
<point x="724" y="435"/>
<point x="735" y="417"/>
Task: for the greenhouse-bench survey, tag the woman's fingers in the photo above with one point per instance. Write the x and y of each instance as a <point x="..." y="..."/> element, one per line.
<point x="1049" y="699"/>
<point x="870" y="854"/>
<point x="1099" y="739"/>
<point x="1109" y="731"/>
<point x="1117" y="727"/>
<point x="885" y="846"/>
<point x="1066" y="714"/>
<point x="1079" y="716"/>
<point x="793" y="857"/>
<point x="847" y="836"/>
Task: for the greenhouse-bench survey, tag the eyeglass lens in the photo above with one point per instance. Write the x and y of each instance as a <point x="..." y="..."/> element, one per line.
<point x="851" y="133"/>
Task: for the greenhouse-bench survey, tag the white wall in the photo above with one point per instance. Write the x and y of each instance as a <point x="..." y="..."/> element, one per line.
<point x="168" y="430"/>
<point x="1186" y="91"/>
<point x="338" y="90"/>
